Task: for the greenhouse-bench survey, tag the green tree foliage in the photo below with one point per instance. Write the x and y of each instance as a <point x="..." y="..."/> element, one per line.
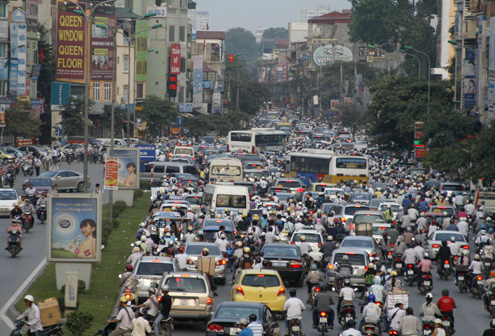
<point x="218" y="124"/>
<point x="482" y="153"/>
<point x="401" y="101"/>
<point x="47" y="73"/>
<point x="241" y="41"/>
<point x="73" y="116"/>
<point x="119" y="116"/>
<point x="78" y="322"/>
<point x="19" y="121"/>
<point x="278" y="33"/>
<point x="159" y="113"/>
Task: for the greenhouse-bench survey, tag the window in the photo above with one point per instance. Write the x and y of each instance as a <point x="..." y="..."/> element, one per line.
<point x="96" y="91"/>
<point x="108" y="91"/>
<point x="139" y="90"/>
<point x="243" y="137"/>
<point x="309" y="165"/>
<point x="3" y="10"/>
<point x="182" y="34"/>
<point x="126" y="94"/>
<point x="171" y="33"/>
<point x="126" y="64"/>
<point x="3" y="50"/>
<point x="231" y="201"/>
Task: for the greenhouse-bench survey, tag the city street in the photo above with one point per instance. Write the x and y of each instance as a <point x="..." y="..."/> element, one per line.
<point x="16" y="270"/>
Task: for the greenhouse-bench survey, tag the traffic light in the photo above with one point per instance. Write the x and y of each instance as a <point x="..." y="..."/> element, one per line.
<point x="172" y="85"/>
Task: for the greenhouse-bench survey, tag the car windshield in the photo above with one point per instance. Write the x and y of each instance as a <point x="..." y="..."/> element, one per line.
<point x="284" y="197"/>
<point x="452" y="187"/>
<point x="361" y="196"/>
<point x="234" y="313"/>
<point x="288" y="252"/>
<point x="186" y="284"/>
<point x="450" y="211"/>
<point x="351" y="210"/>
<point x="310" y="238"/>
<point x="260" y="280"/>
<point x="40" y="182"/>
<point x="448" y="236"/>
<point x="358" y="243"/>
<point x="354" y="259"/>
<point x="198" y="249"/>
<point x="226" y="170"/>
<point x="378" y="230"/>
<point x="154" y="268"/>
<point x="6" y="195"/>
<point x="210" y="236"/>
<point x="394" y="207"/>
<point x="288" y="184"/>
<point x="196" y="200"/>
<point x="358" y="219"/>
<point x="231" y="201"/>
<point x="49" y="174"/>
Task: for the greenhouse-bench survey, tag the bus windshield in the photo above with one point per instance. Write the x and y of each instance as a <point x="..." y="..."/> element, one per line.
<point x="226" y="170"/>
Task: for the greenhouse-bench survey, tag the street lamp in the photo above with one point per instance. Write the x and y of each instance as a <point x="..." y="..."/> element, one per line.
<point x="87" y="17"/>
<point x="416" y="57"/>
<point x="429" y="72"/>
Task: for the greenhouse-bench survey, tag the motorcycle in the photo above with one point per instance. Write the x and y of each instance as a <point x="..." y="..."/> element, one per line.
<point x="393" y="333"/>
<point x="447" y="324"/>
<point x="21" y="329"/>
<point x="166" y="326"/>
<point x="70" y="158"/>
<point x="425" y="283"/>
<point x="323" y="325"/>
<point x="462" y="281"/>
<point x="487" y="262"/>
<point x="294" y="327"/>
<point x="370" y="329"/>
<point x="444" y="269"/>
<point x="390" y="257"/>
<point x="27" y="169"/>
<point x="398" y="263"/>
<point x="14" y="244"/>
<point x="477" y="286"/>
<point x="7" y="180"/>
<point x="42" y="213"/>
<point x="410" y="274"/>
<point x="108" y="329"/>
<point x="428" y="328"/>
<point x="346" y="313"/>
<point x="490" y="307"/>
<point x="27" y="221"/>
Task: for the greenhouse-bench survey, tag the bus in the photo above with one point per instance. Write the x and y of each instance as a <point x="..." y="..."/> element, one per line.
<point x="312" y="167"/>
<point x="226" y="170"/>
<point x="257" y="140"/>
<point x="284" y="126"/>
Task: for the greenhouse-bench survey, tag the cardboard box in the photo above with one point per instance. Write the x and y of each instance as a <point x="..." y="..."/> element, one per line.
<point x="50" y="312"/>
<point x="207" y="265"/>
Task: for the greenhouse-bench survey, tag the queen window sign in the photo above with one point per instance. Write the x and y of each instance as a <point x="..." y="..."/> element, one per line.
<point x="328" y="54"/>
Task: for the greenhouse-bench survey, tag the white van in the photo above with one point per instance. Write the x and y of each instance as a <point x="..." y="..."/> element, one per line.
<point x="183" y="150"/>
<point x="226" y="196"/>
<point x="116" y="142"/>
<point x="226" y="170"/>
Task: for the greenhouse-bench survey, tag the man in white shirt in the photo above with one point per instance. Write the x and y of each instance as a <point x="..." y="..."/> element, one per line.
<point x="255" y="326"/>
<point x="222" y="243"/>
<point x="463" y="226"/>
<point x="181" y="258"/>
<point x="140" y="326"/>
<point x="395" y="316"/>
<point x="124" y="318"/>
<point x="32" y="312"/>
<point x="294" y="308"/>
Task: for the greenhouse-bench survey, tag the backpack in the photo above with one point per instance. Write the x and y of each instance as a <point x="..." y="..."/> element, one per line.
<point x="250" y="241"/>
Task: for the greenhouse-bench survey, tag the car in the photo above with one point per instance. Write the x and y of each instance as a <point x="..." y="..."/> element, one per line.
<point x="150" y="269"/>
<point x="359" y="259"/>
<point x="183" y="158"/>
<point x="394" y="206"/>
<point x="194" y="250"/>
<point x="34" y="150"/>
<point x="227" y="314"/>
<point x="361" y="198"/>
<point x="260" y="285"/>
<point x="5" y="156"/>
<point x="12" y="151"/>
<point x="451" y="188"/>
<point x="195" y="202"/>
<point x="361" y="223"/>
<point x="313" y="238"/>
<point x="210" y="231"/>
<point x="42" y="184"/>
<point x="287" y="260"/>
<point x="293" y="184"/>
<point x="347" y="211"/>
<point x="367" y="244"/>
<point x="246" y="157"/>
<point x="229" y="224"/>
<point x="256" y="173"/>
<point x="66" y="179"/>
<point x="253" y="165"/>
<point x="253" y="189"/>
<point x="8" y="197"/>
<point x="435" y="241"/>
<point x="416" y="171"/>
<point x="192" y="297"/>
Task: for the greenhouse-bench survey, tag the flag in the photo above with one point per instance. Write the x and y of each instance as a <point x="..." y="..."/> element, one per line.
<point x="287" y="57"/>
<point x="42" y="56"/>
<point x="231" y="58"/>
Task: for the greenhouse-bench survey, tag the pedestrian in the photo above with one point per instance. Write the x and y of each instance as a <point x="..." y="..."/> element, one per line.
<point x="255" y="326"/>
<point x="100" y="191"/>
<point x="37" y="166"/>
<point x="124" y="318"/>
<point x="32" y="313"/>
<point x="410" y="325"/>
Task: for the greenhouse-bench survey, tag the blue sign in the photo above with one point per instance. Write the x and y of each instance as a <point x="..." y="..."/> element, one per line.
<point x="180" y="121"/>
<point x="185" y="107"/>
<point x="60" y="94"/>
<point x="14" y="66"/>
<point x="147" y="153"/>
<point x="132" y="108"/>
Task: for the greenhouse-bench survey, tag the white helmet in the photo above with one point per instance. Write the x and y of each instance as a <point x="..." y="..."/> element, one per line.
<point x="29" y="298"/>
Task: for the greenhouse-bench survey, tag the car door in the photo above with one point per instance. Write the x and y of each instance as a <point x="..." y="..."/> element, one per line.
<point x="72" y="179"/>
<point x="61" y="180"/>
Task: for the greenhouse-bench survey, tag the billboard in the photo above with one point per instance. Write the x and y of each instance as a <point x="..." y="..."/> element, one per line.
<point x="175" y="59"/>
<point x="60" y="94"/>
<point x="14" y="64"/>
<point x="18" y="41"/>
<point x="141" y="51"/>
<point x="102" y="46"/>
<point x="469" y="81"/>
<point x="74" y="228"/>
<point x="329" y="54"/>
<point x="111" y="173"/>
<point x="197" y="81"/>
<point x="128" y="167"/>
<point x="70" y="42"/>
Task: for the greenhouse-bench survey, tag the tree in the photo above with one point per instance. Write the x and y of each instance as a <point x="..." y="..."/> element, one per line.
<point x="241" y="41"/>
<point x="19" y="121"/>
<point x="47" y="72"/>
<point x="482" y="153"/>
<point x="276" y="33"/>
<point x="106" y="118"/>
<point x="73" y="116"/>
<point x="159" y="113"/>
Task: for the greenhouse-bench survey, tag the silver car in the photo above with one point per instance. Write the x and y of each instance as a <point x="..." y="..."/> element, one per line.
<point x="66" y="179"/>
<point x="194" y="250"/>
<point x="359" y="260"/>
<point x="364" y="243"/>
<point x="150" y="269"/>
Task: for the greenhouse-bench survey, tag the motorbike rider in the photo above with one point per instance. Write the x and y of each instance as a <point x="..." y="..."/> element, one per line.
<point x="166" y="305"/>
<point x="313" y="279"/>
<point x="393" y="282"/>
<point x="15" y="226"/>
<point x="491" y="331"/>
<point x="323" y="302"/>
<point x="293" y="308"/>
<point x="346" y="295"/>
<point x="42" y="202"/>
<point x="476" y="267"/>
<point x="124" y="318"/>
<point x="328" y="248"/>
<point x="371" y="313"/>
<point x="462" y="264"/>
<point x="344" y="269"/>
<point x="377" y="289"/>
<point x="443" y="254"/>
<point x="394" y="316"/>
<point x="410" y="324"/>
<point x="489" y="289"/>
<point x="429" y="311"/>
<point x="28" y="208"/>
<point x="151" y="304"/>
<point x="32" y="313"/>
<point x="351" y="331"/>
<point x="16" y="211"/>
<point x="31" y="193"/>
<point x="446" y="304"/>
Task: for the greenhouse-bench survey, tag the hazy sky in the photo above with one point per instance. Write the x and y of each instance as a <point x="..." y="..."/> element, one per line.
<point x="250" y="14"/>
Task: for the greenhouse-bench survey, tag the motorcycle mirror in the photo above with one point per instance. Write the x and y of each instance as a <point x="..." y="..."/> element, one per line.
<point x="120" y="276"/>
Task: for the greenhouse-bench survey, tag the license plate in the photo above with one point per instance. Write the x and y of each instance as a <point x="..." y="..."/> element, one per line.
<point x="460" y="278"/>
<point x="426" y="332"/>
<point x="398" y="266"/>
<point x="295" y="328"/>
<point x="234" y="331"/>
<point x="446" y="323"/>
<point x="323" y="320"/>
<point x="487" y="264"/>
<point x="279" y="264"/>
<point x="389" y="257"/>
<point x="186" y="302"/>
<point x="427" y="283"/>
<point x="447" y="265"/>
<point x="410" y="272"/>
<point x="493" y="302"/>
<point x="348" y="318"/>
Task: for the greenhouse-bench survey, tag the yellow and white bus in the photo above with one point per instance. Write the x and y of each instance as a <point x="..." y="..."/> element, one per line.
<point x="226" y="170"/>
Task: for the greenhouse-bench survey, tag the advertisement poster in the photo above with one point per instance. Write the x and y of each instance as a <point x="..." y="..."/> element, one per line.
<point x="70" y="42"/>
<point x="74" y="227"/>
<point x="175" y="59"/>
<point x="197" y="81"/>
<point x="142" y="51"/>
<point x="469" y="82"/>
<point x="102" y="50"/>
<point x="111" y="173"/>
<point x="491" y="55"/>
<point x="3" y="107"/>
<point x="14" y="63"/>
<point x="128" y="169"/>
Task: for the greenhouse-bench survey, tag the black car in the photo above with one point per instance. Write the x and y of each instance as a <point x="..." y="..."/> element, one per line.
<point x="287" y="260"/>
<point x="227" y="314"/>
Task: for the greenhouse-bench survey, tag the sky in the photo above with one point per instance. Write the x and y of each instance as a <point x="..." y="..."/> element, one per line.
<point x="249" y="14"/>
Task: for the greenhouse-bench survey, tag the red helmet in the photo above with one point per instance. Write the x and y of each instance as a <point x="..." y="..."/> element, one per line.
<point x="170" y="251"/>
<point x="129" y="268"/>
<point x="181" y="249"/>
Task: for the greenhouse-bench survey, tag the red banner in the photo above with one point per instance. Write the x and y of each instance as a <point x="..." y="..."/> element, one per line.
<point x="175" y="59"/>
<point x="70" y="42"/>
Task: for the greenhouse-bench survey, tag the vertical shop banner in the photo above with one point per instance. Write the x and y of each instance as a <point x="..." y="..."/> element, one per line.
<point x="14" y="64"/>
<point x="74" y="228"/>
<point x="197" y="81"/>
<point x="18" y="41"/>
<point x="111" y="173"/>
<point x="491" y="60"/>
<point x="102" y="46"/>
<point x="175" y="59"/>
<point x="469" y="84"/>
<point x="491" y="98"/>
<point x="142" y="51"/>
<point x="285" y="71"/>
<point x="32" y="14"/>
<point x="128" y="169"/>
<point x="70" y="42"/>
<point x="3" y="107"/>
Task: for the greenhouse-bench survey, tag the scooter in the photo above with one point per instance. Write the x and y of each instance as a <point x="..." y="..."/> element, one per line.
<point x="398" y="264"/>
<point x="295" y="327"/>
<point x="323" y="325"/>
<point x="447" y="324"/>
<point x="425" y="283"/>
<point x="27" y="221"/>
<point x="409" y="274"/>
<point x="8" y="180"/>
<point x="428" y="328"/>
<point x="445" y="270"/>
<point x="70" y="158"/>
<point x="108" y="328"/>
<point x="27" y="169"/>
<point x="390" y="257"/>
<point x="462" y="281"/>
<point x="42" y="213"/>
<point x="477" y="286"/>
<point x="14" y="244"/>
<point x="490" y="307"/>
<point x="346" y="313"/>
<point x="370" y="329"/>
<point x="21" y="329"/>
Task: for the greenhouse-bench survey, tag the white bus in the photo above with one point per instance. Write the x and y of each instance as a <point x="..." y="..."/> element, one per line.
<point x="257" y="140"/>
<point x="226" y="196"/>
<point x="226" y="170"/>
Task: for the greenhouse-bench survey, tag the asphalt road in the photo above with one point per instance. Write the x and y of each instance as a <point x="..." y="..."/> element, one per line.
<point x="14" y="271"/>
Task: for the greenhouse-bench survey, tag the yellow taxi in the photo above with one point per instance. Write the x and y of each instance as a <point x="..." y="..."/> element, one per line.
<point x="5" y="157"/>
<point x="260" y="285"/>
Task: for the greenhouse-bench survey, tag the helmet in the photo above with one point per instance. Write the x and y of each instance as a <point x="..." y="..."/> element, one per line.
<point x="29" y="298"/>
<point x="492" y="323"/>
<point x="429" y="296"/>
<point x="206" y="250"/>
<point x="143" y="238"/>
<point x="222" y="236"/>
<point x="347" y="282"/>
<point x="247" y="250"/>
<point x="165" y="288"/>
<point x="483" y="227"/>
<point x="438" y="321"/>
<point x="123" y="299"/>
<point x="303" y="238"/>
<point x="483" y="232"/>
<point x="477" y="257"/>
<point x="426" y="255"/>
<point x="330" y="237"/>
<point x="292" y="292"/>
<point x="490" y="230"/>
<point x="226" y="210"/>
<point x="142" y="311"/>
<point x="129" y="268"/>
<point x="371" y="265"/>
<point x="351" y="323"/>
<point x="393" y="273"/>
<point x="445" y="213"/>
<point x="142" y="224"/>
<point x="314" y="267"/>
<point x="371" y="298"/>
<point x="345" y="258"/>
<point x="239" y="244"/>
<point x="445" y="292"/>
<point x="444" y="242"/>
<point x="168" y="234"/>
<point x="492" y="274"/>
<point x="136" y="249"/>
<point x="181" y="249"/>
<point x="465" y="252"/>
<point x="452" y="239"/>
<point x="152" y="290"/>
<point x="243" y="321"/>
